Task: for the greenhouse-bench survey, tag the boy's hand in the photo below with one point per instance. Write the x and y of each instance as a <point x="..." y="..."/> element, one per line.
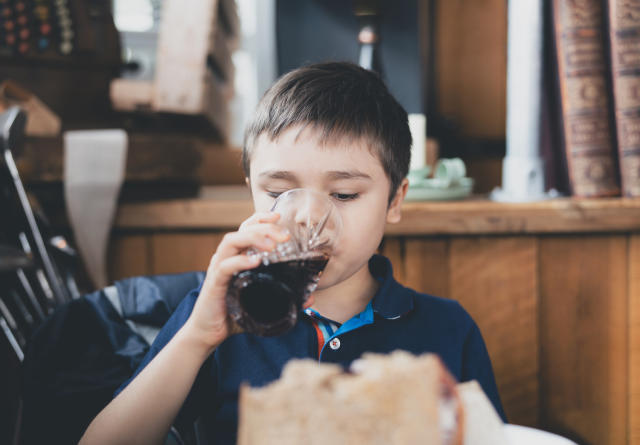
<point x="209" y="321"/>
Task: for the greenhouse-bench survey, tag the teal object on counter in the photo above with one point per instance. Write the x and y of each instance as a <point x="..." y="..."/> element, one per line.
<point x="449" y="182"/>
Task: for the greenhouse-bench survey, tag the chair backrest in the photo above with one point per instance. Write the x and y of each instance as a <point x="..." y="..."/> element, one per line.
<point x="89" y="346"/>
<point x="33" y="281"/>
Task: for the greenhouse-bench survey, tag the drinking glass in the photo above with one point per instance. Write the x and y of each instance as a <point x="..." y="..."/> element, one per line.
<point x="267" y="300"/>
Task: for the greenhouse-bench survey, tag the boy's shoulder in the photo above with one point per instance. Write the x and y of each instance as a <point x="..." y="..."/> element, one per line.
<point x="439" y="310"/>
<point x="394" y="300"/>
<point x="428" y="301"/>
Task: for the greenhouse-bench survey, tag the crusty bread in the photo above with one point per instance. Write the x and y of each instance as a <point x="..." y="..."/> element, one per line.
<point x="394" y="399"/>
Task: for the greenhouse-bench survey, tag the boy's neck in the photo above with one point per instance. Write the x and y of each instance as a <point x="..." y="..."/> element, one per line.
<point x="347" y="299"/>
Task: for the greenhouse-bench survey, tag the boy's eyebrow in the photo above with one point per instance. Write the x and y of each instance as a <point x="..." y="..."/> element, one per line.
<point x="333" y="175"/>
<point x="278" y="174"/>
<point x="347" y="174"/>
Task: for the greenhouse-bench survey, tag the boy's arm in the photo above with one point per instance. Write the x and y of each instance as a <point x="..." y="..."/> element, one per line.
<point x="476" y="365"/>
<point x="144" y="411"/>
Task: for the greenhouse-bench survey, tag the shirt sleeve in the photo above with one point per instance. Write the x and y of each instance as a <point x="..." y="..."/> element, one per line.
<point x="204" y="382"/>
<point x="476" y="365"/>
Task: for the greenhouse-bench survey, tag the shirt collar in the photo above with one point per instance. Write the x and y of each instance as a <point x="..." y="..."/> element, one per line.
<point x="392" y="300"/>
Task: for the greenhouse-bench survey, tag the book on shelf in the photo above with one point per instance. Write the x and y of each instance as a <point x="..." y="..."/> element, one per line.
<point x="585" y="97"/>
<point x="624" y="36"/>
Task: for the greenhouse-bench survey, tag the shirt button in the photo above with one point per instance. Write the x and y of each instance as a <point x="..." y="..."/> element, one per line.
<point x="335" y="343"/>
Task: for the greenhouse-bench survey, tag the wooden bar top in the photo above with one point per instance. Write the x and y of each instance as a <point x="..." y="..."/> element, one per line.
<point x="473" y="216"/>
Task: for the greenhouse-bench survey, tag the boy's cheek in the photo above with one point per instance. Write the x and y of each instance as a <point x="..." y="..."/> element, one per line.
<point x="262" y="203"/>
<point x="357" y="242"/>
<point x="362" y="227"/>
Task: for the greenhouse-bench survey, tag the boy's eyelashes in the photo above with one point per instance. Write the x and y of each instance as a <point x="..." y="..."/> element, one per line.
<point x="345" y="196"/>
<point x="337" y="196"/>
<point x="274" y="194"/>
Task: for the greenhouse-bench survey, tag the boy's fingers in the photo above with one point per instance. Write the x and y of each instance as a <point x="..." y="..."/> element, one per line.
<point x="260" y="217"/>
<point x="262" y="236"/>
<point x="235" y="264"/>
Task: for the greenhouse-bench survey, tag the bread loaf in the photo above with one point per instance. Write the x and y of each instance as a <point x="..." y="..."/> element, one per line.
<point x="394" y="399"/>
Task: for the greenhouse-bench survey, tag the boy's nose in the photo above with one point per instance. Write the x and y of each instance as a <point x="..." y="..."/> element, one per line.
<point x="310" y="216"/>
<point x="309" y="213"/>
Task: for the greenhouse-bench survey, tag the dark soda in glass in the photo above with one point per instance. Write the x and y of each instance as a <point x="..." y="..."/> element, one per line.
<point x="266" y="300"/>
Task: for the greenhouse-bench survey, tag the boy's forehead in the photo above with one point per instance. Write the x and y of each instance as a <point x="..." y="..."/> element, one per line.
<point x="303" y="149"/>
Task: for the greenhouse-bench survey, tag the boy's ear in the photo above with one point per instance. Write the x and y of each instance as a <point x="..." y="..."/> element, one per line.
<point x="393" y="212"/>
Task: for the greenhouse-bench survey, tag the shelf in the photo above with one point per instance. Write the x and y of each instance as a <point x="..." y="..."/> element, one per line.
<point x="474" y="216"/>
<point x="164" y="158"/>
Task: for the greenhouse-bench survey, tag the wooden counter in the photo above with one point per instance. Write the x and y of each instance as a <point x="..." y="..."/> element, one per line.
<point x="554" y="287"/>
<point x="470" y="217"/>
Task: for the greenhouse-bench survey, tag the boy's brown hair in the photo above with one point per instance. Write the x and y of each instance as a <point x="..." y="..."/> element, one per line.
<point x="341" y="101"/>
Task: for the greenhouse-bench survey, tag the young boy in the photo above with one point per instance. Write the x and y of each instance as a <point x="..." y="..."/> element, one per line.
<point x="333" y="128"/>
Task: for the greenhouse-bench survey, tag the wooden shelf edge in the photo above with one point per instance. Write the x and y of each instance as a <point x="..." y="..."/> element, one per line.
<point x="151" y="157"/>
<point x="419" y="218"/>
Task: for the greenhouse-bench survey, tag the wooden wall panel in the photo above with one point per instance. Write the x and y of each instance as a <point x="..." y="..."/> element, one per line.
<point x="495" y="279"/>
<point x="583" y="315"/>
<point x="183" y="252"/>
<point x="634" y="339"/>
<point x="426" y="265"/>
<point x="129" y="256"/>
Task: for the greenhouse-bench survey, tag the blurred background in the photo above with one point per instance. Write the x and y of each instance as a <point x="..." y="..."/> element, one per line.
<point x="122" y="125"/>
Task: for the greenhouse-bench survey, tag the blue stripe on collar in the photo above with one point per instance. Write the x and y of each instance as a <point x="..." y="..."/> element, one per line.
<point x="392" y="299"/>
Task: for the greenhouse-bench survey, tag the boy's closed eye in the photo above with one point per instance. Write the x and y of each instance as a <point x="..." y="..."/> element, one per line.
<point x="345" y="196"/>
<point x="337" y="196"/>
<point x="274" y="194"/>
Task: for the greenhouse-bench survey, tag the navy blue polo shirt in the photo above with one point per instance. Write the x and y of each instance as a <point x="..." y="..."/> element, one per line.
<point x="397" y="318"/>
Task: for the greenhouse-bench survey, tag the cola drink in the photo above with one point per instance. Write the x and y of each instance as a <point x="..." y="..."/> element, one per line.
<point x="266" y="300"/>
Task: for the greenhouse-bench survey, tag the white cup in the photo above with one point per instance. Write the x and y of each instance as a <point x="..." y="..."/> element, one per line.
<point x="450" y="171"/>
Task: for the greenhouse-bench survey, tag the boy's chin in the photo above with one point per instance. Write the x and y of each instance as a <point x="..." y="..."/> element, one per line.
<point x="325" y="282"/>
<point x="322" y="284"/>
